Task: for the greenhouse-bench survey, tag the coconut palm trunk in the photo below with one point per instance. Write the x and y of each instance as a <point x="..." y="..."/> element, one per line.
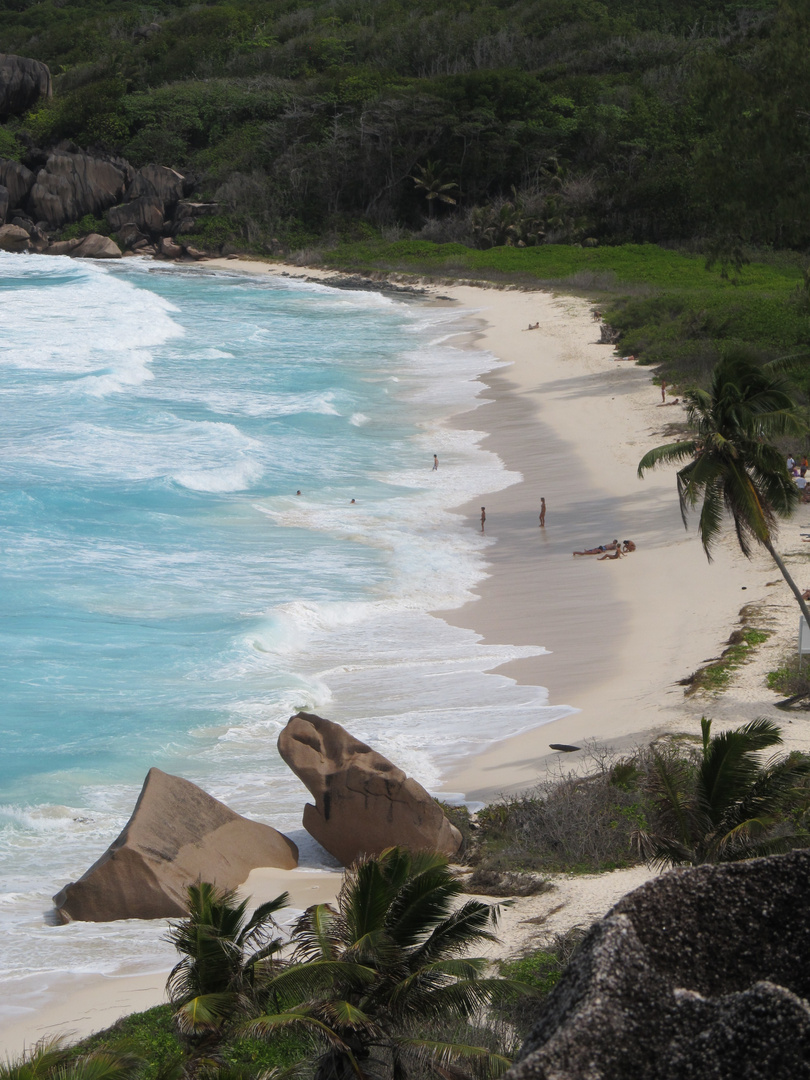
<point x="783" y="570"/>
<point x="731" y="469"/>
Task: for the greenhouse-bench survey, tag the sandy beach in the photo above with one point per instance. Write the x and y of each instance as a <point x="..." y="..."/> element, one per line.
<point x="574" y="422"/>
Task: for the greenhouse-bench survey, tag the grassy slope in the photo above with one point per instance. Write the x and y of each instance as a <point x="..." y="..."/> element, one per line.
<point x="670" y="308"/>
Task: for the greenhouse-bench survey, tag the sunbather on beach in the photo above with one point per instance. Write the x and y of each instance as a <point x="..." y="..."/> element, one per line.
<point x="617" y="554"/>
<point x="598" y="550"/>
<point x="628" y="546"/>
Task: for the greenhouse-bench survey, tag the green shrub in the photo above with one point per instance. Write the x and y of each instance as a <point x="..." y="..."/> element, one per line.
<point x="10" y="147"/>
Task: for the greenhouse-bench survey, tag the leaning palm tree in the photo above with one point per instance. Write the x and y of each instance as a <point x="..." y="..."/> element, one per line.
<point x="726" y="807"/>
<point x="223" y="954"/>
<point x="731" y="467"/>
<point x="368" y="977"/>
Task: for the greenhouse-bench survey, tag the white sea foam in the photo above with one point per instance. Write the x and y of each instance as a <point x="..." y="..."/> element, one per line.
<point x="324" y="605"/>
<point x="70" y="305"/>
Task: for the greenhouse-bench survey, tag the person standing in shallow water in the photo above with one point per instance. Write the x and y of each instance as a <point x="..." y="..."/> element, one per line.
<point x="435" y="463"/>
<point x="542" y="513"/>
<point x="483" y="517"/>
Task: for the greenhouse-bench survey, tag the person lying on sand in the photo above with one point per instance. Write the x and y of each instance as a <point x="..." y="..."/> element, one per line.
<point x="598" y="550"/>
<point x="533" y="326"/>
<point x="666" y="404"/>
<point x="624" y="357"/>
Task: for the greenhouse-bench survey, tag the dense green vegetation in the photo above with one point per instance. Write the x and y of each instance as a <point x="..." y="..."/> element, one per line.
<point x="670" y="307"/>
<point x="623" y="120"/>
<point x="670" y="802"/>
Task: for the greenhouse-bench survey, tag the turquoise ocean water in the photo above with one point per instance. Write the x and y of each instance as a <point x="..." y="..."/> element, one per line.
<point x="165" y="596"/>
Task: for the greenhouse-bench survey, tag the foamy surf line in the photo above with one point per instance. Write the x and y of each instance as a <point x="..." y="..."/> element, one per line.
<point x="406" y="681"/>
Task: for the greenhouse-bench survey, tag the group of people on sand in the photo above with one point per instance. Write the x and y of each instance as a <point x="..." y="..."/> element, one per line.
<point x="798" y="471"/>
<point x="613" y="550"/>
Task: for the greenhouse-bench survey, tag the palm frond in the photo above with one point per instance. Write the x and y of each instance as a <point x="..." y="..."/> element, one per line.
<point x="438" y="1054"/>
<point x="204" y="1013"/>
<point x="677" y="451"/>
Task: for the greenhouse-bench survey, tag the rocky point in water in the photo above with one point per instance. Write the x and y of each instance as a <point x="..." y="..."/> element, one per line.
<point x="177" y="835"/>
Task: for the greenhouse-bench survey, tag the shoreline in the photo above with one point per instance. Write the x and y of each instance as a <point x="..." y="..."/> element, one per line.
<point x="574" y="423"/>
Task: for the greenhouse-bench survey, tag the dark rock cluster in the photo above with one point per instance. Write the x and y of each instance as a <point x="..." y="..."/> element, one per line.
<point x="700" y="973"/>
<point x="145" y="208"/>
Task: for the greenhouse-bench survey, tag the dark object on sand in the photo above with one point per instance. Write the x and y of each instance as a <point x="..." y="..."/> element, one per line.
<point x="564" y="747"/>
<point x="699" y="973"/>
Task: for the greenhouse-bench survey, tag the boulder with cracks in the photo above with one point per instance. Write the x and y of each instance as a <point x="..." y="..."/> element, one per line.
<point x="363" y="803"/>
<point x="699" y="973"/>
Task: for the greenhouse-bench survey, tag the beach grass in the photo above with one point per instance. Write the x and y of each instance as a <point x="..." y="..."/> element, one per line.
<point x="670" y="307"/>
<point x="714" y="677"/>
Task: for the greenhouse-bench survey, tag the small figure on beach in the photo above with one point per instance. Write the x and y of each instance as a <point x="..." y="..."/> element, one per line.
<point x="612" y="546"/>
<point x="804" y="466"/>
<point x="483" y="517"/>
<point x="617" y="554"/>
<point x="298" y="492"/>
<point x="663" y="390"/>
<point x="352" y="502"/>
<point x="628" y="546"/>
<point x="533" y="326"/>
<point x="666" y="404"/>
<point x="542" y="513"/>
<point x="790" y="462"/>
<point x="624" y="357"/>
<point x="435" y="462"/>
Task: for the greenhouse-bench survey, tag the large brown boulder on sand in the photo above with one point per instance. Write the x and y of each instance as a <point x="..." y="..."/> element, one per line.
<point x="363" y="803"/>
<point x="177" y="835"/>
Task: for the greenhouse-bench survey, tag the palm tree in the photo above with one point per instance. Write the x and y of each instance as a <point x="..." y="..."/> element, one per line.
<point x="731" y="466"/>
<point x="52" y="1060"/>
<point x="390" y="958"/>
<point x="431" y="181"/>
<point x="223" y="953"/>
<point x="727" y="807"/>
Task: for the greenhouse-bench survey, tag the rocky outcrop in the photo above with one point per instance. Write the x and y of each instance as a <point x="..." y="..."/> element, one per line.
<point x="169" y="250"/>
<point x="145" y="212"/>
<point x="363" y="803"/>
<point x="158" y="182"/>
<point x="72" y="185"/>
<point x="14" y="238"/>
<point x="22" y="83"/>
<point x="18" y="180"/>
<point x="95" y="246"/>
<point x="177" y="835"/>
<point x="700" y="973"/>
<point x="187" y="214"/>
